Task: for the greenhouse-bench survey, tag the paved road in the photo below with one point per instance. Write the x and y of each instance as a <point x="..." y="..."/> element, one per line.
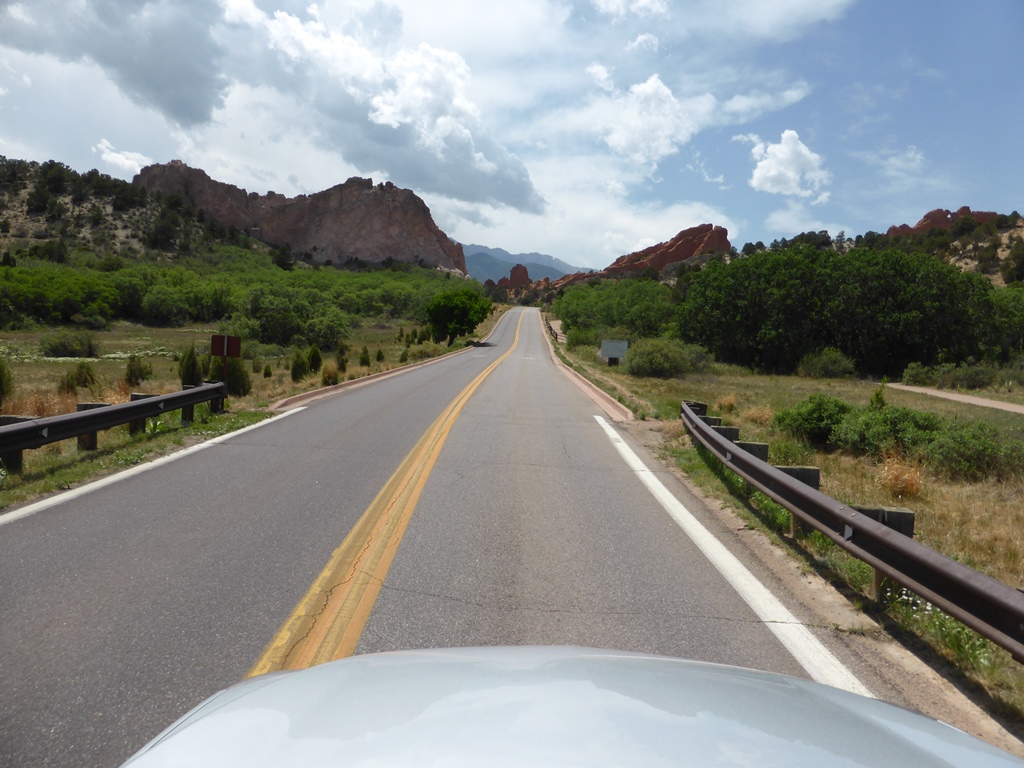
<point x="123" y="608"/>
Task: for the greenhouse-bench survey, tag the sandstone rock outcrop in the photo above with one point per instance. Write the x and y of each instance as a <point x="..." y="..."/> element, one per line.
<point x="689" y="244"/>
<point x="518" y="278"/>
<point x="940" y="218"/>
<point x="350" y="221"/>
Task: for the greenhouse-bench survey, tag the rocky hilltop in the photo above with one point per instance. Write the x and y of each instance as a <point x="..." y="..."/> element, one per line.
<point x="940" y="218"/>
<point x="689" y="245"/>
<point x="353" y="221"/>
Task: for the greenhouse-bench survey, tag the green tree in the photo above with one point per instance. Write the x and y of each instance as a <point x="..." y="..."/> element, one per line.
<point x="189" y="369"/>
<point x="456" y="312"/>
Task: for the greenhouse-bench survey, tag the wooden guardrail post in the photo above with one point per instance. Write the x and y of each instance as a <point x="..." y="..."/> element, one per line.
<point x="88" y="442"/>
<point x="137" y="426"/>
<point x="898" y="519"/>
<point x="12" y="460"/>
<point x="810" y="476"/>
<point x="188" y="412"/>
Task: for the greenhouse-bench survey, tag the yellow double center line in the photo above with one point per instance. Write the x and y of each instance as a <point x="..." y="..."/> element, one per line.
<point x="328" y="621"/>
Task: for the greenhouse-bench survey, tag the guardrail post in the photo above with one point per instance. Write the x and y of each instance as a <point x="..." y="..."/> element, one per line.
<point x="216" y="403"/>
<point x="188" y="412"/>
<point x="810" y="476"/>
<point x="137" y="425"/>
<point x="12" y="460"/>
<point x="757" y="450"/>
<point x="87" y="442"/>
<point x="898" y="519"/>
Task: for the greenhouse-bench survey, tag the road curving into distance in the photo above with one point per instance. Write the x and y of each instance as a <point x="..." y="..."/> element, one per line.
<point x="516" y="521"/>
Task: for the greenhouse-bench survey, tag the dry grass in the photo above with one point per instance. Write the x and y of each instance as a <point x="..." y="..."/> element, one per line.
<point x="901" y="478"/>
<point x="726" y="403"/>
<point x="758" y="414"/>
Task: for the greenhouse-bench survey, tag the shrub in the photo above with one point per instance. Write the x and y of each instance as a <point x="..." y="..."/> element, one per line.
<point x="404" y="357"/>
<point x="267" y="373"/>
<point x="364" y="357"/>
<point x="6" y="381"/>
<point x="581" y="337"/>
<point x="380" y="355"/>
<point x="665" y="358"/>
<point x="887" y="431"/>
<point x="300" y="366"/>
<point x="917" y="375"/>
<point x="315" y="358"/>
<point x="830" y="363"/>
<point x="814" y="419"/>
<point x="966" y="451"/>
<point x="190" y="371"/>
<point x="238" y="379"/>
<point x="342" y="362"/>
<point x="329" y="375"/>
<point x="69" y="344"/>
<point x="137" y="370"/>
<point x="81" y="375"/>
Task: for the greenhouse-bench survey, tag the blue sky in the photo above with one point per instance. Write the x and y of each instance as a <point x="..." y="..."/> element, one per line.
<point x="584" y="129"/>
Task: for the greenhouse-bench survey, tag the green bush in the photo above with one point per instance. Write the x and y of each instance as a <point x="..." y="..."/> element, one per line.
<point x="6" y="381"/>
<point x="917" y="375"/>
<point x="830" y="363"/>
<point x="69" y="344"/>
<point x="404" y="357"/>
<point x="581" y="337"/>
<point x="239" y="380"/>
<point x="137" y="370"/>
<point x="814" y="419"/>
<point x="380" y="355"/>
<point x="876" y="432"/>
<point x="81" y="375"/>
<point x="364" y="357"/>
<point x="665" y="358"/>
<point x="267" y="373"/>
<point x="300" y="366"/>
<point x="315" y="358"/>
<point x="968" y="451"/>
<point x="965" y="376"/>
<point x="190" y="370"/>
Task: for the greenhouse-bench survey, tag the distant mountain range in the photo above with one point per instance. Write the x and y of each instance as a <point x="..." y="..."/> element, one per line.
<point x="486" y="263"/>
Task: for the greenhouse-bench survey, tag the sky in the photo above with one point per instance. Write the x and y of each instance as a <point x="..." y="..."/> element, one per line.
<point x="583" y="129"/>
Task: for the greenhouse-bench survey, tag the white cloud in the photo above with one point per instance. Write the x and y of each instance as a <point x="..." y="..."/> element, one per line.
<point x="638" y="7"/>
<point x="646" y="40"/>
<point x="602" y="77"/>
<point x="127" y="162"/>
<point x="649" y="123"/>
<point x="787" y="168"/>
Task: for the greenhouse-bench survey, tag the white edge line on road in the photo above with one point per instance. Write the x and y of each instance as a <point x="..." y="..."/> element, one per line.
<point x="74" y="493"/>
<point x="810" y="653"/>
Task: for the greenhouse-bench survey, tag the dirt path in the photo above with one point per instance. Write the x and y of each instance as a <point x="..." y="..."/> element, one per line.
<point x="971" y="399"/>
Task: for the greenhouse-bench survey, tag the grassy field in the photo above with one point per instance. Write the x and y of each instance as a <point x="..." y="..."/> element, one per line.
<point x="62" y="465"/>
<point x="980" y="524"/>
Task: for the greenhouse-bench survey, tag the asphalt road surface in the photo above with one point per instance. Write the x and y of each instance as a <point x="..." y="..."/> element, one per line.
<point x="122" y="608"/>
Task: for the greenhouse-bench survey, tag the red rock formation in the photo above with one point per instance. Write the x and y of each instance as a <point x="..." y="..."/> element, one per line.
<point x="941" y="219"/>
<point x="518" y="278"/>
<point x="691" y="242"/>
<point x="354" y="220"/>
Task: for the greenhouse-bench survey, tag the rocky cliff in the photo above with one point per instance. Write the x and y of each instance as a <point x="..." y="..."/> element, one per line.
<point x="688" y="245"/>
<point x="940" y="218"/>
<point x="356" y="220"/>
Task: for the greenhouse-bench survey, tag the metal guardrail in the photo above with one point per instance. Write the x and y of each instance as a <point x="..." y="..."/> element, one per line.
<point x="987" y="606"/>
<point x="52" y="429"/>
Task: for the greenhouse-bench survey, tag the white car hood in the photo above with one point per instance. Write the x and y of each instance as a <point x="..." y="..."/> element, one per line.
<point x="551" y="706"/>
